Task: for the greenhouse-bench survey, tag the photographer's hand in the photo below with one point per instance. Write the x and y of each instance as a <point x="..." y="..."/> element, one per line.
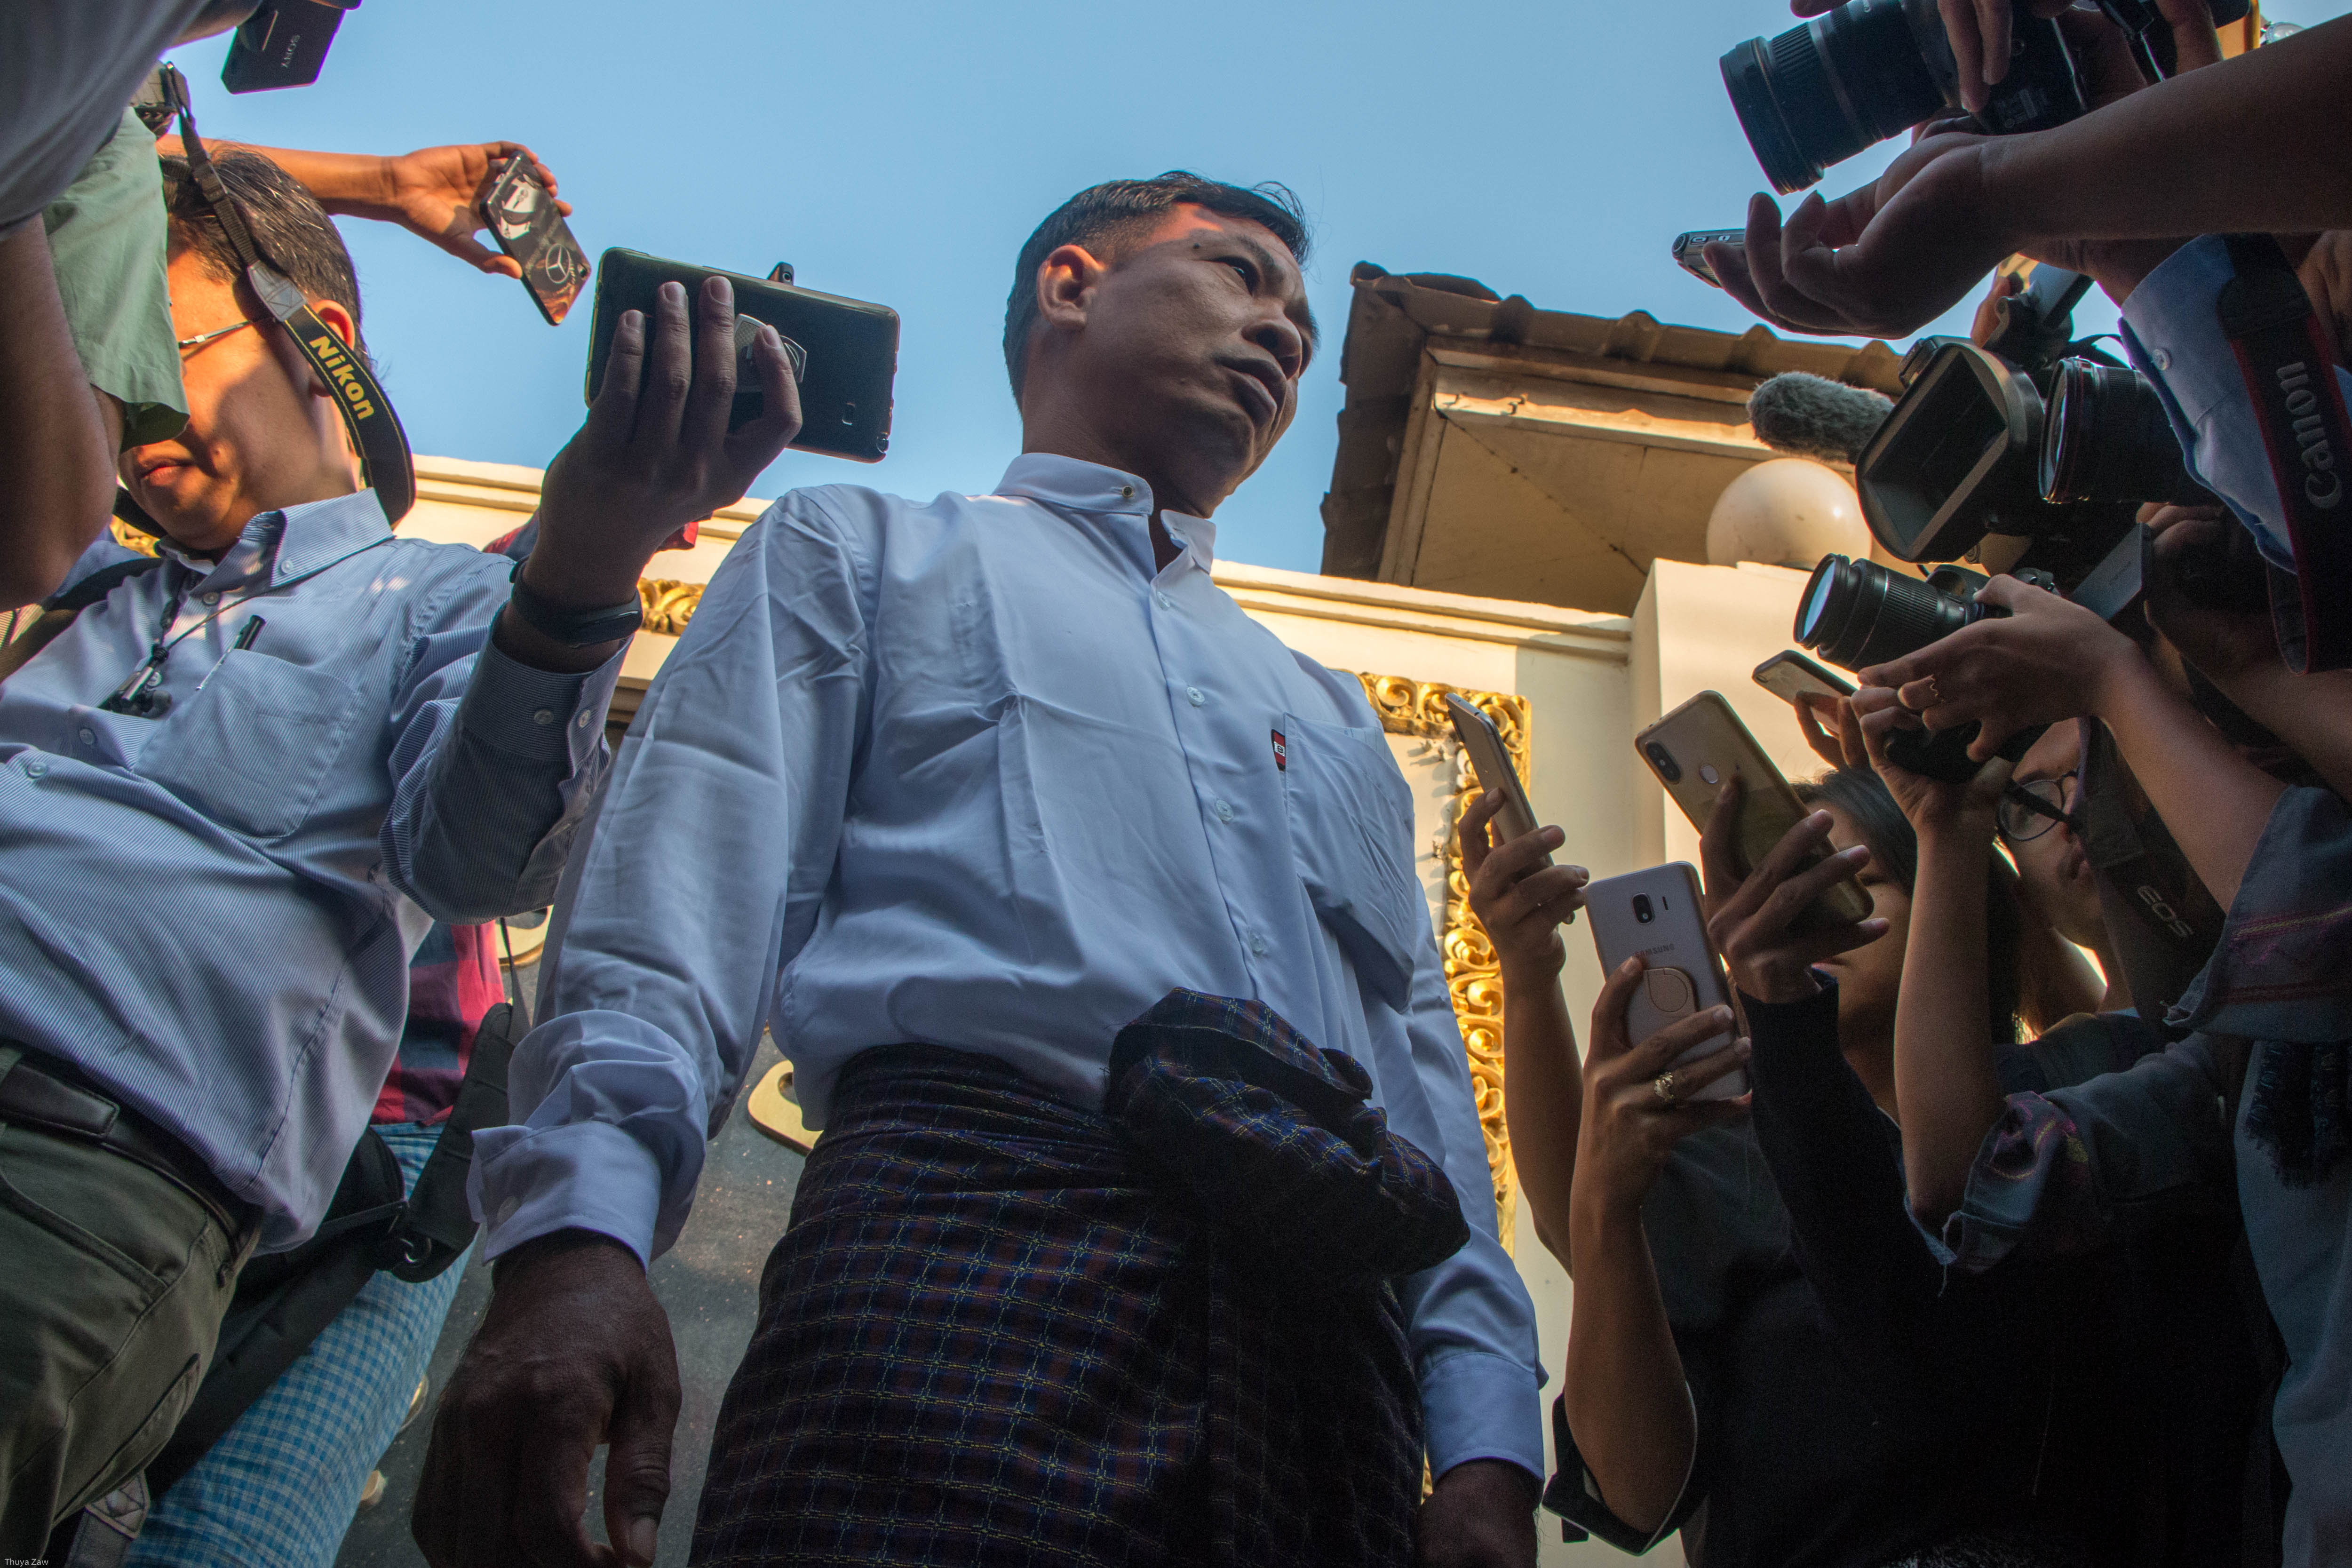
<point x="1935" y="808"/>
<point x="655" y="455"/>
<point x="1979" y="31"/>
<point x="1749" y="918"/>
<point x="1521" y="901"/>
<point x="1842" y="747"/>
<point x="435" y="193"/>
<point x="574" y="1351"/>
<point x="2047" y="659"/>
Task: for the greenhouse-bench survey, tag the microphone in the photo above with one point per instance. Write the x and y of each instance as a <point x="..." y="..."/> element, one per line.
<point x="1812" y="417"/>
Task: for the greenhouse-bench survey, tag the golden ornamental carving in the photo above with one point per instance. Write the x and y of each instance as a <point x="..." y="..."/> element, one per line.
<point x="669" y="604"/>
<point x="1473" y="975"/>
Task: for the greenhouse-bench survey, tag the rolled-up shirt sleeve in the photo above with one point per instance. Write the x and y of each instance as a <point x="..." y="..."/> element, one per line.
<point x="708" y="857"/>
<point x="1473" y="1325"/>
<point x="2175" y="338"/>
<point x="2069" y="1170"/>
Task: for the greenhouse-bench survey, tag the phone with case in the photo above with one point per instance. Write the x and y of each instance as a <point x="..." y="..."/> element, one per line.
<point x="1697" y="747"/>
<point x="1656" y="913"/>
<point x="1790" y="676"/>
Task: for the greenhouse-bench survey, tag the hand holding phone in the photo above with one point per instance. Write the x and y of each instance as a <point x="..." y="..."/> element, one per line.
<point x="1690" y="252"/>
<point x="1656" y="913"/>
<point x="844" y="353"/>
<point x="1699" y="746"/>
<point x="524" y="220"/>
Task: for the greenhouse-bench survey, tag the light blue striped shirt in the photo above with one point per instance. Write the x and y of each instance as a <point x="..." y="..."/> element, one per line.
<point x="979" y="774"/>
<point x="210" y="913"/>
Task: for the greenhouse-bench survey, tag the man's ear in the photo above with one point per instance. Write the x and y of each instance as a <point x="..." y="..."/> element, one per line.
<point x="338" y="321"/>
<point x="1065" y="284"/>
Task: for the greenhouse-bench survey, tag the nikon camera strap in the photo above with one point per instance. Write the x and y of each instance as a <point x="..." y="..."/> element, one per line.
<point x="2290" y="374"/>
<point x="367" y="413"/>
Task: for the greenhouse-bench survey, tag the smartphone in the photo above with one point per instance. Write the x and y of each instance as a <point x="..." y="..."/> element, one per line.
<point x="1790" y="675"/>
<point x="844" y="353"/>
<point x="283" y="42"/>
<point x="1491" y="760"/>
<point x="1690" y="252"/>
<point x="1697" y="747"/>
<point x="1656" y="914"/>
<point x="525" y="223"/>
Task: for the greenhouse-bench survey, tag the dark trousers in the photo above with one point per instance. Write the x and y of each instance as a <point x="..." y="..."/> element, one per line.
<point x="113" y="1281"/>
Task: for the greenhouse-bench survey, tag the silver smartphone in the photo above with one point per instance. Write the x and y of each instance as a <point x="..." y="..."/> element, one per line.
<point x="1656" y="913"/>
<point x="1491" y="760"/>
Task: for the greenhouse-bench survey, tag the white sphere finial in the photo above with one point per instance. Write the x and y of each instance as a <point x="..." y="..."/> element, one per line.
<point x="1788" y="511"/>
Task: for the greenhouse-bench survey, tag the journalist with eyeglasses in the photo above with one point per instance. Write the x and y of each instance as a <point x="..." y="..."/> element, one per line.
<point x="238" y="780"/>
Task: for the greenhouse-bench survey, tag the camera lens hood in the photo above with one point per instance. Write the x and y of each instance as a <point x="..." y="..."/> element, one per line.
<point x="1959" y="457"/>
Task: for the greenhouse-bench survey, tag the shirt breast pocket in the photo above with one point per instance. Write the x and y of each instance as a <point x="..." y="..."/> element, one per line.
<point x="1351" y="837"/>
<point x="251" y="749"/>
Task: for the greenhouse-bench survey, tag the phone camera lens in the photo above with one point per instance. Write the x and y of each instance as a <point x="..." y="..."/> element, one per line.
<point x="1663" y="761"/>
<point x="1642" y="911"/>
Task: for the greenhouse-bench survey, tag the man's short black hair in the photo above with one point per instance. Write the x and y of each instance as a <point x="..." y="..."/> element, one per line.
<point x="288" y="226"/>
<point x="1096" y="216"/>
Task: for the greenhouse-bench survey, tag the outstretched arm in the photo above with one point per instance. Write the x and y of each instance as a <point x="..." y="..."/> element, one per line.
<point x="1522" y="903"/>
<point x="55" y="435"/>
<point x="435" y="193"/>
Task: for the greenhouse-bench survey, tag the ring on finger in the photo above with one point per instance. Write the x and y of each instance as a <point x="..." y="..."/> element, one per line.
<point x="1662" y="1086"/>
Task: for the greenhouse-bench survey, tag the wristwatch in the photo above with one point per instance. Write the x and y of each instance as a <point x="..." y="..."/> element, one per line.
<point x="574" y="629"/>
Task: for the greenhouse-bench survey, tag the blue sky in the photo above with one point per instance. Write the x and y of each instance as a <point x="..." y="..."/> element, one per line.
<point x="901" y="152"/>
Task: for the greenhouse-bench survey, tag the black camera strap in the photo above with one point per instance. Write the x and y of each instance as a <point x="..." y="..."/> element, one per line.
<point x="2290" y="374"/>
<point x="367" y="413"/>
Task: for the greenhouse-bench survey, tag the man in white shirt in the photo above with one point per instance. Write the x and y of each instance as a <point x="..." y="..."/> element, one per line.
<point x="951" y="794"/>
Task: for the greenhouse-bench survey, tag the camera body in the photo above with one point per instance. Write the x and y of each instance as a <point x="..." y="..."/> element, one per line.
<point x="1824" y="91"/>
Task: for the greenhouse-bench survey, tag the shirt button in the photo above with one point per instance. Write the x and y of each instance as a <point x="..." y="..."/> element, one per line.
<point x="583" y="720"/>
<point x="1224" y="811"/>
<point x="509" y="1209"/>
<point x="1194" y="695"/>
<point x="89" y="739"/>
<point x="1257" y="947"/>
<point x="35" y="767"/>
<point x="544" y="716"/>
<point x="212" y="598"/>
<point x="1163" y="601"/>
<point x="1126" y="493"/>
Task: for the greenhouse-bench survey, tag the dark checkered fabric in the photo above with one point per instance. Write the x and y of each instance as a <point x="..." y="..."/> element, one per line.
<point x="988" y="1338"/>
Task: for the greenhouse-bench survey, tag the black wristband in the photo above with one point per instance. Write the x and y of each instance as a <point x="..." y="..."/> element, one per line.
<point x="574" y="629"/>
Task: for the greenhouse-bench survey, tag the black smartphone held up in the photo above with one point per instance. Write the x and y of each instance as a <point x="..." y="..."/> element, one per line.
<point x="523" y="219"/>
<point x="1690" y="252"/>
<point x="844" y="353"/>
<point x="1790" y="675"/>
<point x="282" y="44"/>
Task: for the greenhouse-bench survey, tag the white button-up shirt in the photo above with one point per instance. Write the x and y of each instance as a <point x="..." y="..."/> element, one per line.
<point x="979" y="774"/>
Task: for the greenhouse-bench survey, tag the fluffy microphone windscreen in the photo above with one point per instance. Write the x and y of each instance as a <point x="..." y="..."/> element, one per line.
<point x="1812" y="417"/>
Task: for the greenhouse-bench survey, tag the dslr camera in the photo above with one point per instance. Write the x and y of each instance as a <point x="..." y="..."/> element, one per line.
<point x="1870" y="70"/>
<point x="2031" y="457"/>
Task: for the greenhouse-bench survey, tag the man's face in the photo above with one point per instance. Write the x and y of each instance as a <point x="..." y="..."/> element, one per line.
<point x="258" y="438"/>
<point x="1192" y="345"/>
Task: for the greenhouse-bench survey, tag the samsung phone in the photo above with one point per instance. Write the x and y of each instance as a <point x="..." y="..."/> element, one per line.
<point x="524" y="221"/>
<point x="1792" y="675"/>
<point x="1690" y="252"/>
<point x="1656" y="913"/>
<point x="844" y="353"/>
<point x="1699" y="745"/>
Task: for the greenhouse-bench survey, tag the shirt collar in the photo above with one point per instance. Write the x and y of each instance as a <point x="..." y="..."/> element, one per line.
<point x="276" y="547"/>
<point x="1094" y="489"/>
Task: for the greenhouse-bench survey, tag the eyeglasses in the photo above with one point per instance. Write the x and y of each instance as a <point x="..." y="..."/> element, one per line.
<point x="2029" y="810"/>
<point x="189" y="345"/>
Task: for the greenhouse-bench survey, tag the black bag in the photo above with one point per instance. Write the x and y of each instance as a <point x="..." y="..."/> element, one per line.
<point x="285" y="1300"/>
